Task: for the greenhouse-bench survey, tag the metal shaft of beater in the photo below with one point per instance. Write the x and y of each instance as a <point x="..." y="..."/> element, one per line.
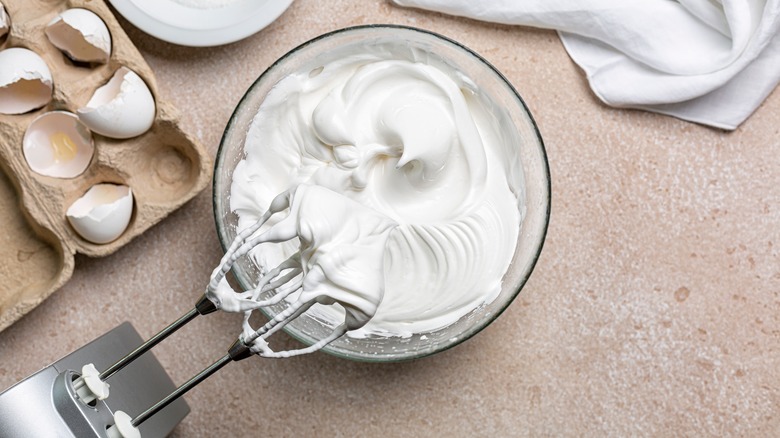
<point x="238" y="351"/>
<point x="203" y="307"/>
<point x="201" y="376"/>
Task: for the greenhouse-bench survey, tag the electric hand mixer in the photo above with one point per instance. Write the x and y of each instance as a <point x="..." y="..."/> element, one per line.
<point x="81" y="402"/>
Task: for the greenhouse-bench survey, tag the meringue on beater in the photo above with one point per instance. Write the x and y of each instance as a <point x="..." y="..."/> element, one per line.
<point x="339" y="260"/>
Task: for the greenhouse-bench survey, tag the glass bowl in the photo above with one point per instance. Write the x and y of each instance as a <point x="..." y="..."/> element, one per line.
<point x="512" y="117"/>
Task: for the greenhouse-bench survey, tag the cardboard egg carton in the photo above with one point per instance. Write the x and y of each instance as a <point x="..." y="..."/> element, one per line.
<point x="164" y="167"/>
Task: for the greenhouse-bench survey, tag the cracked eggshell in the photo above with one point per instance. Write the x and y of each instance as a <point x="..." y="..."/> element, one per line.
<point x="122" y="108"/>
<point x="25" y="81"/>
<point x="57" y="144"/>
<point x="81" y="35"/>
<point x="5" y="21"/>
<point x="103" y="213"/>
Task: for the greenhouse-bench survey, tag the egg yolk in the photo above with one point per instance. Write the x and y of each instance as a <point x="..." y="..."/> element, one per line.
<point x="63" y="147"/>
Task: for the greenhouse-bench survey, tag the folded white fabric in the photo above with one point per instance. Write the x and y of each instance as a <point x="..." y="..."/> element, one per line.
<point x="707" y="61"/>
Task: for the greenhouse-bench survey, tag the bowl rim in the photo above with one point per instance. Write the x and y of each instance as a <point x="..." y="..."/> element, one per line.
<point x="542" y="149"/>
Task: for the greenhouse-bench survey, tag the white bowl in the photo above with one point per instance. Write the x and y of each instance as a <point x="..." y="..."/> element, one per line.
<point x="178" y="23"/>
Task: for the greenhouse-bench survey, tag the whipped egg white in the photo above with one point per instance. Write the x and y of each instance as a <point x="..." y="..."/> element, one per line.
<point x="413" y="145"/>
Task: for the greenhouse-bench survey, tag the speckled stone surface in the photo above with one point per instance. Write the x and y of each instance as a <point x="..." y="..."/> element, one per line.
<point x="654" y="309"/>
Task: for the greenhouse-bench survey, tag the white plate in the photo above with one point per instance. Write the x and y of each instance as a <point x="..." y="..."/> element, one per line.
<point x="197" y="27"/>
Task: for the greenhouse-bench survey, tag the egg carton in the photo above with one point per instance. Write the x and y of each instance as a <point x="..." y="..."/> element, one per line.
<point x="164" y="167"/>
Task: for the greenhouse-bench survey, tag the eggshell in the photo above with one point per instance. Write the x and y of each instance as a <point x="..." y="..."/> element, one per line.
<point x="57" y="144"/>
<point x="122" y="108"/>
<point x="81" y="34"/>
<point x="25" y="81"/>
<point x="103" y="213"/>
<point x="5" y="22"/>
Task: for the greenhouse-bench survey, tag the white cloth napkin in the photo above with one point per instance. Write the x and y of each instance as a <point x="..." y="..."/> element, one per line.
<point x="707" y="61"/>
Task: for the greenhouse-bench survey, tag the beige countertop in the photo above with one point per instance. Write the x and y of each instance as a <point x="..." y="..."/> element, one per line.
<point x="654" y="309"/>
